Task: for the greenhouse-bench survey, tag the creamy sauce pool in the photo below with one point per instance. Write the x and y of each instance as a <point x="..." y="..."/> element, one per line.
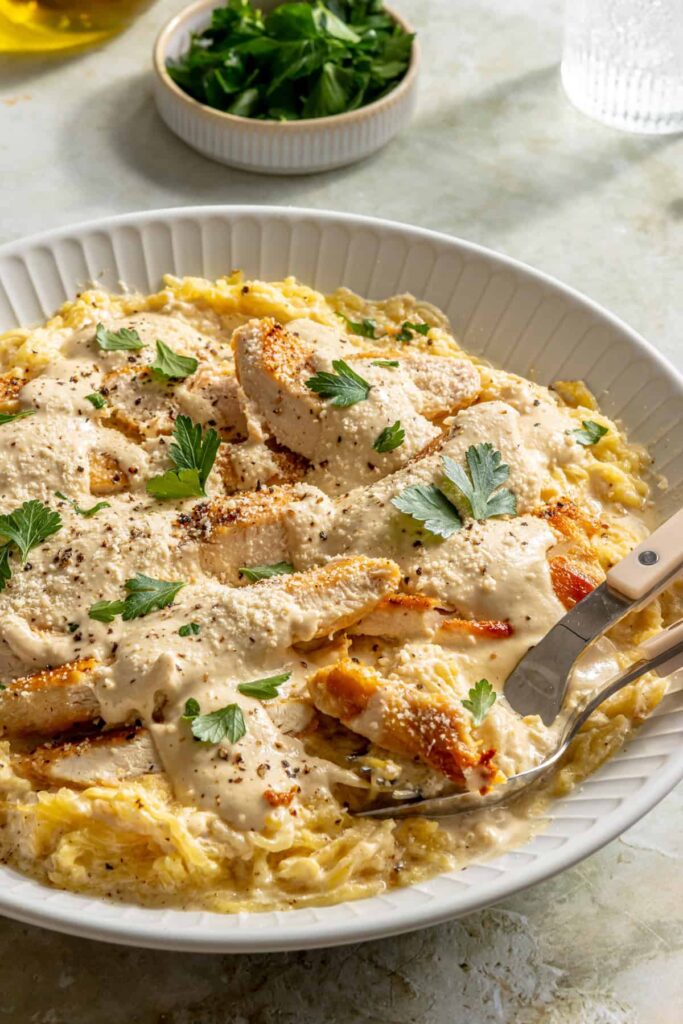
<point x="496" y="569"/>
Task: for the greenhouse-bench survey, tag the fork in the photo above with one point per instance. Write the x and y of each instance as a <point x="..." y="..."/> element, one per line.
<point x="662" y="654"/>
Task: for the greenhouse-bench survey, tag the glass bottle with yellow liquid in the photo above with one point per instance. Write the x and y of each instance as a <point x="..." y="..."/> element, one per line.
<point x="34" y="26"/>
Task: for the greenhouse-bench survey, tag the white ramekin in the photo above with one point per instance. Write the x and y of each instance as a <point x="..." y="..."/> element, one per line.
<point x="274" y="147"/>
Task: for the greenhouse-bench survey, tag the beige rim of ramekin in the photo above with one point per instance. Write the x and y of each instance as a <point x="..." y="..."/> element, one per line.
<point x="282" y="127"/>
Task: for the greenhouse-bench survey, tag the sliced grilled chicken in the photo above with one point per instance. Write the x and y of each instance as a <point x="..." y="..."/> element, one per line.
<point x="254" y="528"/>
<point x="329" y="598"/>
<point x="107" y="758"/>
<point x="256" y="464"/>
<point x="444" y="384"/>
<point x="311" y="604"/>
<point x="574" y="568"/>
<point x="106" y="475"/>
<point x="418" y="617"/>
<point x="141" y="406"/>
<point x="406" y="721"/>
<point x="274" y="363"/>
<point x="51" y="701"/>
<point x="10" y="388"/>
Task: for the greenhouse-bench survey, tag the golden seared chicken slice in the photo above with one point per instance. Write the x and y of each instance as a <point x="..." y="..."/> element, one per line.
<point x="106" y="475"/>
<point x="444" y="385"/>
<point x="289" y="609"/>
<point x="274" y="365"/>
<point x="50" y="701"/>
<point x="141" y="406"/>
<point x="405" y="720"/>
<point x="10" y="389"/>
<point x="574" y="567"/>
<point x="105" y="758"/>
<point x="255" y="528"/>
<point x="418" y="617"/>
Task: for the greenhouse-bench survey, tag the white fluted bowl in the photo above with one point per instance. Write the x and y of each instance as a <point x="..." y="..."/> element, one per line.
<point x="500" y="309"/>
<point x="275" y="147"/>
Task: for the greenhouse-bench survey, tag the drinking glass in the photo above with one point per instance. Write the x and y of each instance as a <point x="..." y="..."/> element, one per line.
<point x="623" y="62"/>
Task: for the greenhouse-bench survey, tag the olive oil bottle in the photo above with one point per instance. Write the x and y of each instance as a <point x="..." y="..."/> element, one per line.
<point x="34" y="26"/>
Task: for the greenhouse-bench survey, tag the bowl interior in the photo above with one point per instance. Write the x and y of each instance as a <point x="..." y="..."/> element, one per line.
<point x="501" y="310"/>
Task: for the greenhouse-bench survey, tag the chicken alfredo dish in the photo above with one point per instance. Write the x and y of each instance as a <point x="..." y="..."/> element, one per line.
<point x="266" y="559"/>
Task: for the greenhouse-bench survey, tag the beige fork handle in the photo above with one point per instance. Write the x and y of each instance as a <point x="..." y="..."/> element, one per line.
<point x="660" y="644"/>
<point x="651" y="565"/>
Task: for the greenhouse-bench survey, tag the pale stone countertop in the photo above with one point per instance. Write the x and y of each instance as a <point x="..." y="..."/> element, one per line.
<point x="498" y="156"/>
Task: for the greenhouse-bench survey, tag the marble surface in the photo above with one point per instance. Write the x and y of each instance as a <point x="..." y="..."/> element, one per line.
<point x="498" y="156"/>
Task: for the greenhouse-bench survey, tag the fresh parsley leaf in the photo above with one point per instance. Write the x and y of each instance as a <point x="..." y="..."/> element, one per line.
<point x="364" y="328"/>
<point x="176" y="484"/>
<point x="146" y="595"/>
<point x="96" y="399"/>
<point x="255" y="573"/>
<point x="194" y="454"/>
<point x="264" y="689"/>
<point x="88" y="513"/>
<point x="192" y="709"/>
<point x="430" y="506"/>
<point x="125" y="340"/>
<point x="408" y="329"/>
<point x="226" y="723"/>
<point x="106" y="611"/>
<point x="189" y="629"/>
<point x="10" y="417"/>
<point x="590" y="434"/>
<point x="390" y="438"/>
<point x="29" y="525"/>
<point x="481" y="699"/>
<point x="143" y="595"/>
<point x="345" y="387"/>
<point x="5" y="569"/>
<point x="168" y="365"/>
<point x="487" y="473"/>
<point x="389" y="364"/>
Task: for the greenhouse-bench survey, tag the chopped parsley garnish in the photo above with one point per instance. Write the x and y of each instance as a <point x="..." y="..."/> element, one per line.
<point x="264" y="689"/>
<point x="486" y="474"/>
<point x="390" y="438"/>
<point x="363" y="328"/>
<point x="299" y="60"/>
<point x="193" y="454"/>
<point x="409" y="329"/>
<point x="226" y="723"/>
<point x="106" y="611"/>
<point x="481" y="699"/>
<point x="96" y="399"/>
<point x="25" y="528"/>
<point x="10" y="417"/>
<point x="430" y="506"/>
<point x="72" y="627"/>
<point x="345" y="387"/>
<point x="389" y="364"/>
<point x="125" y="340"/>
<point x="143" y="595"/>
<point x="189" y="629"/>
<point x="590" y="433"/>
<point x="87" y="512"/>
<point x="254" y="573"/>
<point x="168" y="365"/>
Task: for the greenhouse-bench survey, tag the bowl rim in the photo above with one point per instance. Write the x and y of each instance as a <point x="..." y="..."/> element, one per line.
<point x="307" y="124"/>
<point x="122" y="923"/>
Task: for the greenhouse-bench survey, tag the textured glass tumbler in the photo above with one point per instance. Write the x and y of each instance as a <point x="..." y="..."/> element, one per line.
<point x="623" y="62"/>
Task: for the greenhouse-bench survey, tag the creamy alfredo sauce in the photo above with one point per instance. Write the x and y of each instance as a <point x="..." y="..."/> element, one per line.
<point x="495" y="569"/>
